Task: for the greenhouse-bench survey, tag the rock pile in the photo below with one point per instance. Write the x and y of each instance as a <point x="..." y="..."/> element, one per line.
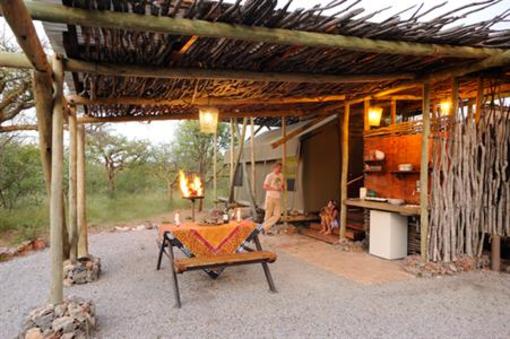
<point x="85" y="270"/>
<point x="141" y="227"/>
<point x="414" y="265"/>
<point x="24" y="248"/>
<point x="74" y="318"/>
<point x="347" y="245"/>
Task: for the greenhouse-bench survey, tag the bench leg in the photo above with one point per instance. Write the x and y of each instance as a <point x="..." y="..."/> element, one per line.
<point x="160" y="256"/>
<point x="174" y="277"/>
<point x="269" y="278"/>
<point x="265" y="266"/>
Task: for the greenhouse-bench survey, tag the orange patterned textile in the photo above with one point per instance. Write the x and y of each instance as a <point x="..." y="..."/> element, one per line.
<point x="210" y="240"/>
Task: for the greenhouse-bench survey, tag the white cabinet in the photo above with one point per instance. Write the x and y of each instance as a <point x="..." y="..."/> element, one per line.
<point x="388" y="235"/>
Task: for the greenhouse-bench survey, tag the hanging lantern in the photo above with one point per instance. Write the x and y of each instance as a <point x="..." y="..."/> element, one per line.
<point x="208" y="117"/>
<point x="445" y="107"/>
<point x="374" y="116"/>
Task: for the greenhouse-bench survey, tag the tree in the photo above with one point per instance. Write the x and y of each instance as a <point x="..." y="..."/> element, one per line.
<point x="115" y="152"/>
<point x="20" y="171"/>
<point x="15" y="87"/>
<point x="194" y="150"/>
<point x="165" y="166"/>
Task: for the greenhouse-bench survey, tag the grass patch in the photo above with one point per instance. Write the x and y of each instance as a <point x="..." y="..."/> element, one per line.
<point x="103" y="210"/>
<point x="27" y="223"/>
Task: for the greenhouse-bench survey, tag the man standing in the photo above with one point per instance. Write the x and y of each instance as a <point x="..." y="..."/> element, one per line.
<point x="273" y="185"/>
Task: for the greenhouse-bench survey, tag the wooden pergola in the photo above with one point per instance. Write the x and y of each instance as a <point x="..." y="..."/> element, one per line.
<point x="161" y="60"/>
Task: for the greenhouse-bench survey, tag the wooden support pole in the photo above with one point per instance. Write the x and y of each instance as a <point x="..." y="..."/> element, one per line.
<point x="496" y="252"/>
<point x="72" y="193"/>
<point x="252" y="157"/>
<point x="241" y="137"/>
<point x="215" y="165"/>
<point x="232" y="148"/>
<point x="366" y="108"/>
<point x="285" y="172"/>
<point x="81" y="198"/>
<point x="454" y="108"/>
<point x="394" y="111"/>
<point x="163" y="24"/>
<point x="479" y="99"/>
<point x="344" y="132"/>
<point x="56" y="201"/>
<point x="424" y="174"/>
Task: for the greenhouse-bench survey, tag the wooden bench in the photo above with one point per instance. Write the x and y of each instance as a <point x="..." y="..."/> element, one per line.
<point x="243" y="258"/>
<point x="182" y="265"/>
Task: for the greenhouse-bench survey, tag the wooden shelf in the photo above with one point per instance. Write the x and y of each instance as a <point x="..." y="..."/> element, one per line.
<point x="384" y="206"/>
<point x="373" y="161"/>
<point x="413" y="172"/>
<point x="373" y="172"/>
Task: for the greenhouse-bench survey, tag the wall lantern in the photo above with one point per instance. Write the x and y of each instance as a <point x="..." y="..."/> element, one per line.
<point x="445" y="108"/>
<point x="374" y="116"/>
<point x="208" y="117"/>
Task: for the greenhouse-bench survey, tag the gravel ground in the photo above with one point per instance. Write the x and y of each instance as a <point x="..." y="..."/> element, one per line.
<point x="136" y="301"/>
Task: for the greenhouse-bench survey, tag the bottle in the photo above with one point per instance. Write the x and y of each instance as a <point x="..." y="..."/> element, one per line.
<point x="238" y="215"/>
<point x="225" y="216"/>
<point x="177" y="219"/>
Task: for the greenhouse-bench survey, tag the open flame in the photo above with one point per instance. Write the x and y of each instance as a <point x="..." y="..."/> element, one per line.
<point x="190" y="188"/>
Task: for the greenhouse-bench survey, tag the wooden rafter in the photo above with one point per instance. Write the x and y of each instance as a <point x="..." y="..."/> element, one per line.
<point x="162" y="24"/>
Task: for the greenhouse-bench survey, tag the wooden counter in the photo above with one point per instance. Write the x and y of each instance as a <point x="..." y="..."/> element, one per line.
<point x="384" y="206"/>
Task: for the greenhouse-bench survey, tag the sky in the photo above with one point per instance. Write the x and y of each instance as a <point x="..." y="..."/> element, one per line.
<point x="163" y="131"/>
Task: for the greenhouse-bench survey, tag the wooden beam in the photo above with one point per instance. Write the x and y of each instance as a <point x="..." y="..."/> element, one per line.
<point x="219" y="74"/>
<point x="163" y="24"/>
<point x="81" y="195"/>
<point x="424" y="174"/>
<point x="295" y="132"/>
<point x="18" y="17"/>
<point x="18" y="60"/>
<point x="344" y="132"/>
<point x="16" y="128"/>
<point x="188" y="116"/>
<point x="56" y="201"/>
<point x="79" y="100"/>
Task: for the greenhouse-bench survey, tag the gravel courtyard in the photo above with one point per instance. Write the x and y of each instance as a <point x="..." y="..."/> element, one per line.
<point x="135" y="301"/>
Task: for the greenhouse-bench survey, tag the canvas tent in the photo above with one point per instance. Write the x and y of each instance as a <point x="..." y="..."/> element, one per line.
<point x="313" y="163"/>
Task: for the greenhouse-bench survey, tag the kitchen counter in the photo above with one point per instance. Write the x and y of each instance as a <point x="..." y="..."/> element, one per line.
<point x="384" y="206"/>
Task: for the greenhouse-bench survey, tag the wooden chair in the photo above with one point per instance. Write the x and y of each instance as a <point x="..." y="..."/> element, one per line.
<point x="250" y="256"/>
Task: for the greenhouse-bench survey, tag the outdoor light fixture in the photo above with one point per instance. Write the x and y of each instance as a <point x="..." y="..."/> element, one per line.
<point x="374" y="116"/>
<point x="208" y="117"/>
<point x="445" y="107"/>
